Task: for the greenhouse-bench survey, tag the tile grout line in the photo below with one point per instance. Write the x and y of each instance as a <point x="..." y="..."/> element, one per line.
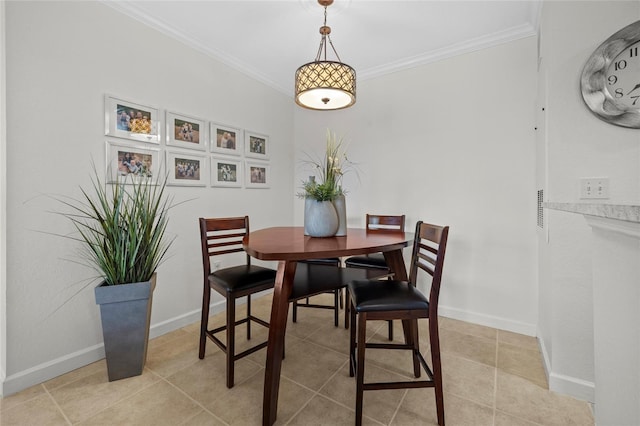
<point x="316" y="393"/>
<point x="301" y="408"/>
<point x="105" y="408"/>
<point x="519" y="417"/>
<point x="56" y="404"/>
<point x="395" y="413"/>
<point x="195" y="401"/>
<point x="340" y="403"/>
<point x="127" y="396"/>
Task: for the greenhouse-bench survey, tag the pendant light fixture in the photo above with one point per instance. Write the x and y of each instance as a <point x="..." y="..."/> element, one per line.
<point x="324" y="84"/>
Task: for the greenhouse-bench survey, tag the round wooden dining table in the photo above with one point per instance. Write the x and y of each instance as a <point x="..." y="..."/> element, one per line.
<point x="287" y="245"/>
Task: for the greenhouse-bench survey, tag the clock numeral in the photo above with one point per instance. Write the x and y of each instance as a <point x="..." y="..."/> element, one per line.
<point x="612" y="79"/>
<point x="635" y="99"/>
<point x="619" y="93"/>
<point x="633" y="52"/>
<point x="620" y="65"/>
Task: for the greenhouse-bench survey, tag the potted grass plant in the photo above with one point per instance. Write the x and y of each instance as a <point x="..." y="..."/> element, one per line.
<point x="121" y="228"/>
<point x="325" y="204"/>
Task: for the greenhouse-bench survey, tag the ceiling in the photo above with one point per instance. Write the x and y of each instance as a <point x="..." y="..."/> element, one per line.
<point x="268" y="40"/>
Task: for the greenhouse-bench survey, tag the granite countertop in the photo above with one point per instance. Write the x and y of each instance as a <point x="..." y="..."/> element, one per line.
<point x="624" y="212"/>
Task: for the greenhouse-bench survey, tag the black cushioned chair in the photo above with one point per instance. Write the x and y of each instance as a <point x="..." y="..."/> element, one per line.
<point x="223" y="236"/>
<point x="313" y="278"/>
<point x="378" y="223"/>
<point x="336" y="291"/>
<point x="393" y="299"/>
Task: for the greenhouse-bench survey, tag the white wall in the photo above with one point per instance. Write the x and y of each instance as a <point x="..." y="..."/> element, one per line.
<point x="62" y="57"/>
<point x="451" y="143"/>
<point x="577" y="144"/>
<point x="3" y="202"/>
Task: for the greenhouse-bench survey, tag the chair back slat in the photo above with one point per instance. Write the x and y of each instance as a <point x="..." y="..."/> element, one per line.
<point x="426" y="263"/>
<point x="429" y="246"/>
<point x="213" y="246"/>
<point x="219" y="252"/>
<point x="222" y="236"/>
<point x="385" y="223"/>
<point x="219" y="236"/>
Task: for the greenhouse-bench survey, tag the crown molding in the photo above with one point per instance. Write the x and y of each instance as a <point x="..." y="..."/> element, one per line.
<point x="457" y="49"/>
<point x="484" y="42"/>
<point x="136" y="13"/>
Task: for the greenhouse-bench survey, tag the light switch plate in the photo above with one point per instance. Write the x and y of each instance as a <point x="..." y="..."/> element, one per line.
<point x="594" y="188"/>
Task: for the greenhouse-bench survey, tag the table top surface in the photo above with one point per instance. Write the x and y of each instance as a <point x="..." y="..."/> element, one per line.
<point x="290" y="243"/>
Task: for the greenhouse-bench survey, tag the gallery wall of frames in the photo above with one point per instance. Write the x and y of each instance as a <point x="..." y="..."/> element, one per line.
<point x="145" y="142"/>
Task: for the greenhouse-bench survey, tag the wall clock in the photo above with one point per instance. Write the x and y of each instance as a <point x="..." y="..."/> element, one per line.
<point x="610" y="80"/>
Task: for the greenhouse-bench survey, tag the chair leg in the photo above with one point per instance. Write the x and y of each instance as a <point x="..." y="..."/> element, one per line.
<point x="437" y="368"/>
<point x="336" y="304"/>
<point x="352" y="339"/>
<point x="231" y="328"/>
<point x="390" y="322"/>
<point x="248" y="317"/>
<point x="362" y="332"/>
<point x="416" y="350"/>
<point x="295" y="311"/>
<point x="204" y="321"/>
<point x="347" y="304"/>
<point x="340" y="296"/>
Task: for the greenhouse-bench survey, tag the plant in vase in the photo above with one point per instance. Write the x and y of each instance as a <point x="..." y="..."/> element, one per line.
<point x="325" y="209"/>
<point x="121" y="228"/>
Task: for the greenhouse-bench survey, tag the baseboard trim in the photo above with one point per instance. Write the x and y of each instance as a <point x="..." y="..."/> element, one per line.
<point x="488" y="320"/>
<point x="54" y="368"/>
<point x="572" y="386"/>
<point x="64" y="364"/>
<point x="48" y="370"/>
<point x="546" y="361"/>
<point x="560" y="383"/>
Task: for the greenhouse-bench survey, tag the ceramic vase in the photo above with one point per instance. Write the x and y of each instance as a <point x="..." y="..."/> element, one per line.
<point x="307" y="205"/>
<point x="340" y="204"/>
<point x="320" y="218"/>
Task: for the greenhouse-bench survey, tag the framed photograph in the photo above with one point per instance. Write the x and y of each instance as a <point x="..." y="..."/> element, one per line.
<point x="187" y="169"/>
<point x="132" y="161"/>
<point x="256" y="145"/>
<point x="226" y="139"/>
<point x="257" y="174"/>
<point x="129" y="120"/>
<point x="226" y="172"/>
<point x="186" y="132"/>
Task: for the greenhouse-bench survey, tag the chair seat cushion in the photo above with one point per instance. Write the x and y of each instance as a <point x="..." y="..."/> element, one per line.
<point x="243" y="277"/>
<point x="389" y="295"/>
<point x="312" y="278"/>
<point x="374" y="260"/>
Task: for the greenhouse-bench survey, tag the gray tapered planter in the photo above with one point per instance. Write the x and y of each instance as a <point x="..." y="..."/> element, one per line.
<point x="340" y="204"/>
<point x="320" y="218"/>
<point x="125" y="311"/>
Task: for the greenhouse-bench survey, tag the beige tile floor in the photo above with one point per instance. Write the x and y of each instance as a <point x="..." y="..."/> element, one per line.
<point x="491" y="377"/>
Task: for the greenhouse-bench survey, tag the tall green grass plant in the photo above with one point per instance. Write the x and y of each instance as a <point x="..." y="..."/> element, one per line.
<point x="329" y="171"/>
<point x="122" y="227"/>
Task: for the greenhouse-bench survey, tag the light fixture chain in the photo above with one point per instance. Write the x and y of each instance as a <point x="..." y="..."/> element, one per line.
<point x="334" y="50"/>
<point x="324" y="37"/>
<point x="322" y="43"/>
